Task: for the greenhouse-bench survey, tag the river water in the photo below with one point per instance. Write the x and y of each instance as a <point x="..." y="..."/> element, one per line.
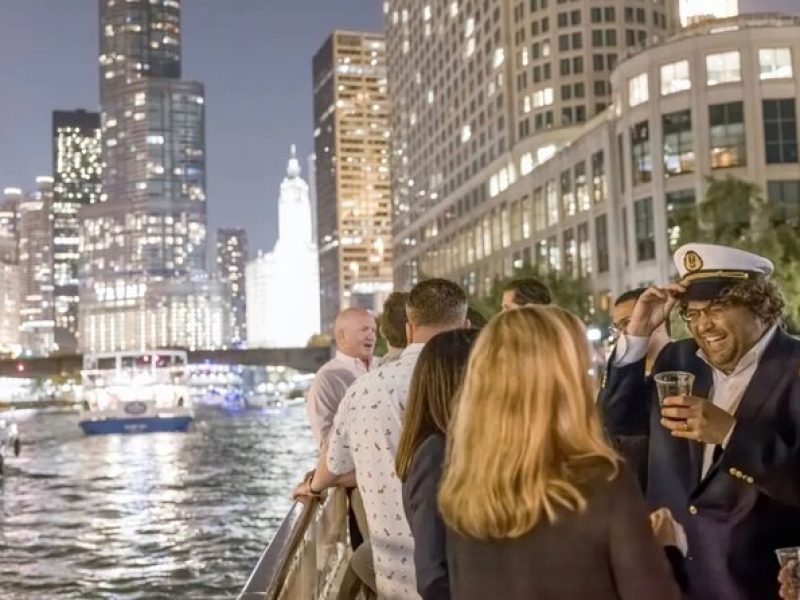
<point x="165" y="515"/>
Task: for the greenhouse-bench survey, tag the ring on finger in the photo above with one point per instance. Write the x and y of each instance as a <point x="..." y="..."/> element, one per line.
<point x="686" y="426"/>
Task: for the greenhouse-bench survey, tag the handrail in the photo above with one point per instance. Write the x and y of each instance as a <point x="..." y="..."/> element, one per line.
<point x="307" y="553"/>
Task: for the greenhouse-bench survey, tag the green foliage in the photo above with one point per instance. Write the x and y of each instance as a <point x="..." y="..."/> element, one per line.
<point x="571" y="294"/>
<point x="735" y="213"/>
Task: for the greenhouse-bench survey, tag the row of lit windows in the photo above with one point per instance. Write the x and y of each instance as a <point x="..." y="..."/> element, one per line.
<point x="724" y="67"/>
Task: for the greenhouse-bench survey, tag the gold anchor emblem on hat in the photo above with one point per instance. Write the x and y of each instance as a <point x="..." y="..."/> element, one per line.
<point x="692" y="261"/>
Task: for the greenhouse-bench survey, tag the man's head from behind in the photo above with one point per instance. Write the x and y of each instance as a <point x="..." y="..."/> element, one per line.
<point x="524" y="292"/>
<point x="355" y="332"/>
<point x="435" y="305"/>
<point x="393" y="320"/>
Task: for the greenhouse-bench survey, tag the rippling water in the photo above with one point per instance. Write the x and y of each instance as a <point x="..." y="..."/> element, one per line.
<point x="164" y="515"/>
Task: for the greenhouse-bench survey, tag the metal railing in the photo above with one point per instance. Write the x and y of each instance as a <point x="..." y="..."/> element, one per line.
<point x="308" y="556"/>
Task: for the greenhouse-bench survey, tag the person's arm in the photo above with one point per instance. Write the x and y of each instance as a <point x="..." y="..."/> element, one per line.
<point x="324" y="478"/>
<point x="638" y="563"/>
<point x="322" y="402"/>
<point x="422" y="512"/>
<point x="766" y="453"/>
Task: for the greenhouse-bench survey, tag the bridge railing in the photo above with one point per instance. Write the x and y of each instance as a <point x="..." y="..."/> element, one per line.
<point x="308" y="556"/>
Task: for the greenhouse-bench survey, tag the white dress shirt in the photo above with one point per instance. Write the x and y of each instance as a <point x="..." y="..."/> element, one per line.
<point x="727" y="390"/>
<point x="328" y="389"/>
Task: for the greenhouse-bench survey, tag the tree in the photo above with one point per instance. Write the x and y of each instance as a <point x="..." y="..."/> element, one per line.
<point x="571" y="294"/>
<point x="735" y="213"/>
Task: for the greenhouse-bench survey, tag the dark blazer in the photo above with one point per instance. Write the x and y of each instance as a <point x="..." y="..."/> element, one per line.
<point x="607" y="552"/>
<point x="748" y="503"/>
<point x="419" y="502"/>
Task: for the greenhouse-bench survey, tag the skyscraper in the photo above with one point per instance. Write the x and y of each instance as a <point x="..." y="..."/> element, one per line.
<point x="351" y="144"/>
<point x="231" y="265"/>
<point x="9" y="271"/>
<point x="37" y="311"/>
<point x="283" y="285"/>
<point x="148" y="232"/>
<point x="77" y="165"/>
<point x="477" y="85"/>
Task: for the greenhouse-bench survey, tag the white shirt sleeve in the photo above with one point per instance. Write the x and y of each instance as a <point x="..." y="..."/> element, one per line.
<point x="340" y="455"/>
<point x="630" y="349"/>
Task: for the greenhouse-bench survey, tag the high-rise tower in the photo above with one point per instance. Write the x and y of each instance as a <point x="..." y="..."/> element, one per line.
<point x="231" y="265"/>
<point x="77" y="166"/>
<point x="148" y="232"/>
<point x="351" y="144"/>
<point x="476" y="85"/>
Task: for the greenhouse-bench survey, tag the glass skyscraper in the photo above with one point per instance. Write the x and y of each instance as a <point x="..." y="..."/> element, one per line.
<point x="231" y="265"/>
<point x="77" y="166"/>
<point x="148" y="231"/>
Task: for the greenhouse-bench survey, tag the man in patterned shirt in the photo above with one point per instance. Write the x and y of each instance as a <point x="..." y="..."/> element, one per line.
<point x="366" y="431"/>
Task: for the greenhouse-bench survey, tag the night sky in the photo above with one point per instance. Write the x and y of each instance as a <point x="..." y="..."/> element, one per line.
<point x="254" y="57"/>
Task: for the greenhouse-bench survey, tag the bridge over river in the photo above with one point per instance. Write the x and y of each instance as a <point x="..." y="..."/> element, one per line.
<point x="303" y="359"/>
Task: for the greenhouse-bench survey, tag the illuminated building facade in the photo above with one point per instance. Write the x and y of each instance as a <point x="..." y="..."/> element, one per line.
<point x="476" y="86"/>
<point x="351" y="144"/>
<point x="37" y="307"/>
<point x="149" y="228"/>
<point x="9" y="272"/>
<point x="693" y="11"/>
<point x="604" y="204"/>
<point x="77" y="166"/>
<point x="231" y="265"/>
<point x="283" y="297"/>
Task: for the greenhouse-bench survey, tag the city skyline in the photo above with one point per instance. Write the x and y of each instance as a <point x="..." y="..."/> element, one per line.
<point x="238" y="55"/>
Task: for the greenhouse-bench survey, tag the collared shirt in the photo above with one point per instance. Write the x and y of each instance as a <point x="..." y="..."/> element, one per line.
<point x="328" y="389"/>
<point x="390" y="356"/>
<point x="365" y="435"/>
<point x="727" y="390"/>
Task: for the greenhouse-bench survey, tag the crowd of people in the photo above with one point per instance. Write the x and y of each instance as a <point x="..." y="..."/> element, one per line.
<point x="490" y="461"/>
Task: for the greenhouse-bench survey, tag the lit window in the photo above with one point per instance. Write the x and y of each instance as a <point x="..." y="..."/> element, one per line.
<point x="775" y="63"/>
<point x="139" y="99"/>
<point x="454" y="8"/>
<point x="430" y="96"/>
<point x="155" y="139"/>
<point x="524" y="58"/>
<point x="466" y="133"/>
<point x="637" y="90"/>
<point x="470" y="47"/>
<point x="675" y="77"/>
<point x="543" y="97"/>
<point x="526" y="163"/>
<point x="426" y="13"/>
<point x="723" y="68"/>
<point x="545" y="49"/>
<point x="526" y="104"/>
<point x="499" y="57"/>
<point x="470" y="27"/>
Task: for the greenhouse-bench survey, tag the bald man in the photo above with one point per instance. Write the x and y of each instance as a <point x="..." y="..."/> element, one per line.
<point x="355" y="334"/>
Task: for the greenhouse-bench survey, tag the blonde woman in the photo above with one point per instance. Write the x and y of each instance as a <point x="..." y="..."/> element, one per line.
<point x="536" y="503"/>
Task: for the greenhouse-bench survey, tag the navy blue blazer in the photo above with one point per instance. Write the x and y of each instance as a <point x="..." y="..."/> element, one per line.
<point x="748" y="504"/>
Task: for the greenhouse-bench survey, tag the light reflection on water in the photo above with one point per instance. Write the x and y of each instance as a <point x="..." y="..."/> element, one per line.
<point x="146" y="516"/>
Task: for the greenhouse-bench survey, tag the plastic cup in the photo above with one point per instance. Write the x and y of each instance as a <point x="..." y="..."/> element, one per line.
<point x="786" y="554"/>
<point x="673" y="383"/>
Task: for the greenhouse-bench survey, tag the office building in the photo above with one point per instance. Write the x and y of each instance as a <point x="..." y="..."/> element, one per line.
<point x="77" y="166"/>
<point x="283" y="292"/>
<point x="475" y="85"/>
<point x="693" y="12"/>
<point x="351" y="144"/>
<point x="231" y="265"/>
<point x="9" y="272"/>
<point x="36" y="301"/>
<point x="149" y="229"/>
<point x="602" y="205"/>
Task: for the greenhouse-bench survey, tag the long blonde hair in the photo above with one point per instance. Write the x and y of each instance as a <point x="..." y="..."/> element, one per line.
<point x="525" y="427"/>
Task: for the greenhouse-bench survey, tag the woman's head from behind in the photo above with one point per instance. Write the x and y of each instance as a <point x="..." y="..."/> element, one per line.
<point x="437" y="377"/>
<point x="525" y="424"/>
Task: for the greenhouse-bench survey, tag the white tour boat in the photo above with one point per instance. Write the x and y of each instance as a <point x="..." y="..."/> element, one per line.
<point x="135" y="392"/>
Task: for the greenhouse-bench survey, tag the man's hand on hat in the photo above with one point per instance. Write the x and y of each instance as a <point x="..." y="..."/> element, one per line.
<point x="653" y="308"/>
<point x="697" y="419"/>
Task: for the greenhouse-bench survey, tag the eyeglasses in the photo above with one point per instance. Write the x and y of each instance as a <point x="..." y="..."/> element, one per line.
<point x="618" y="328"/>
<point x="711" y="311"/>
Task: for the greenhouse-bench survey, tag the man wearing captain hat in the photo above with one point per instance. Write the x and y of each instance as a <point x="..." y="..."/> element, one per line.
<point x="725" y="460"/>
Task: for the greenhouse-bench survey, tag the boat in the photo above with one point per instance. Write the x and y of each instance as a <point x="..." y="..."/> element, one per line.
<point x="9" y="441"/>
<point x="135" y="392"/>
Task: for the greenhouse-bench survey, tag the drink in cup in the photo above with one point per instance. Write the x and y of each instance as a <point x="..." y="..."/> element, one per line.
<point x="673" y="383"/>
<point x="785" y="555"/>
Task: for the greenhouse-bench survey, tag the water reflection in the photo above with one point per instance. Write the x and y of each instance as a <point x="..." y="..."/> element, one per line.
<point x="146" y="516"/>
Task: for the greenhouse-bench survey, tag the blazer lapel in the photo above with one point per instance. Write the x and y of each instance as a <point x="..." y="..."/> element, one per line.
<point x="780" y="360"/>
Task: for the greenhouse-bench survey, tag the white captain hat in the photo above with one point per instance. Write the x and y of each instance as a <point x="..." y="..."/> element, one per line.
<point x="707" y="270"/>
